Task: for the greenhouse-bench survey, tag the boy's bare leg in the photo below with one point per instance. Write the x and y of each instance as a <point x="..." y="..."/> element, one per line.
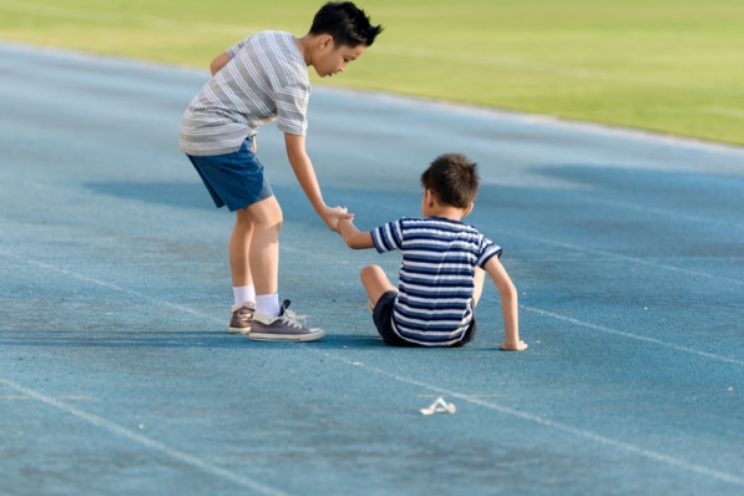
<point x="243" y="290"/>
<point x="240" y="244"/>
<point x="376" y="283"/>
<point x="263" y="253"/>
<point x="478" y="280"/>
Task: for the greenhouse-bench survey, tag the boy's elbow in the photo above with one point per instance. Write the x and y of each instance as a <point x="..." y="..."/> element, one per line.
<point x="512" y="292"/>
<point x="348" y="239"/>
<point x="508" y="290"/>
<point x="354" y="244"/>
<point x="359" y="242"/>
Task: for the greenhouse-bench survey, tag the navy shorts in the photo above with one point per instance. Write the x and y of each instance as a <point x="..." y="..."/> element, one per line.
<point x="383" y="316"/>
<point x="235" y="180"/>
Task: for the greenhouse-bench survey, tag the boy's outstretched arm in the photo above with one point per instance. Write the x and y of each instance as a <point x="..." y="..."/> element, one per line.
<point x="303" y="169"/>
<point x="354" y="237"/>
<point x="509" y="304"/>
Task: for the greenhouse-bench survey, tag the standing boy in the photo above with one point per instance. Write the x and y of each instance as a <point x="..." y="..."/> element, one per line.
<point x="441" y="278"/>
<point x="261" y="79"/>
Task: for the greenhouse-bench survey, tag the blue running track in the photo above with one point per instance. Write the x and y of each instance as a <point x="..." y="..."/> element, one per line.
<point x="118" y="376"/>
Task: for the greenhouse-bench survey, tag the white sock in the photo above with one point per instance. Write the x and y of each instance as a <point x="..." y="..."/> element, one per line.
<point x="268" y="304"/>
<point x="243" y="294"/>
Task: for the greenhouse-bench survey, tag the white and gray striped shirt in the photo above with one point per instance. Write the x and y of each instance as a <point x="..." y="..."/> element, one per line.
<point x="434" y="302"/>
<point x="266" y="79"/>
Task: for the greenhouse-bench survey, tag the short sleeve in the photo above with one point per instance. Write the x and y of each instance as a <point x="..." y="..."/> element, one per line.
<point x="291" y="106"/>
<point x="388" y="237"/>
<point x="487" y="250"/>
<point x="233" y="50"/>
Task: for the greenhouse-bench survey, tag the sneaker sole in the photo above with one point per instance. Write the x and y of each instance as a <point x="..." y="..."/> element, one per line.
<point x="238" y="330"/>
<point x="256" y="336"/>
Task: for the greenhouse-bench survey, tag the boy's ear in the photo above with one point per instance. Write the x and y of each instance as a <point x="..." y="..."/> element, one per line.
<point x="429" y="198"/>
<point x="325" y="41"/>
<point x="469" y="209"/>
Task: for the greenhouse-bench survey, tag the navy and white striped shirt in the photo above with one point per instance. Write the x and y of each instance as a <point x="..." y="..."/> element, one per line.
<point x="434" y="303"/>
<point x="265" y="80"/>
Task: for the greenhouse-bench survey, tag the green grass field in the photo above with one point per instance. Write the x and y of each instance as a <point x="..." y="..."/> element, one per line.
<point x="669" y="66"/>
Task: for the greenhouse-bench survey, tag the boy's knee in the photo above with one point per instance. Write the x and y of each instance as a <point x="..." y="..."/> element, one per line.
<point x="243" y="221"/>
<point x="265" y="216"/>
<point x="275" y="223"/>
<point x="368" y="271"/>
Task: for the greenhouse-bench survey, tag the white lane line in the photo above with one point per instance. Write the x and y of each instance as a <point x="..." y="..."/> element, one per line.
<point x="465" y="397"/>
<point x="641" y="261"/>
<point x="610" y="330"/>
<point x="108" y="285"/>
<point x="146" y="441"/>
<point x="545" y="313"/>
<point x="623" y="446"/>
<point x="670" y="213"/>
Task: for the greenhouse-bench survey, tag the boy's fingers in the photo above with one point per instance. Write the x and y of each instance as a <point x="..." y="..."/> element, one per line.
<point x="343" y="213"/>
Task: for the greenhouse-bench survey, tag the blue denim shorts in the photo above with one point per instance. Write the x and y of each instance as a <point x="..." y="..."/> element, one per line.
<point x="235" y="180"/>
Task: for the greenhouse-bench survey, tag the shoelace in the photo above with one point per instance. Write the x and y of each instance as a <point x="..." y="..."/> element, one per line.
<point x="293" y="320"/>
<point x="245" y="314"/>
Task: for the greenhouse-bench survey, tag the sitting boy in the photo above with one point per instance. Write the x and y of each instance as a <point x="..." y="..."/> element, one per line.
<point x="441" y="278"/>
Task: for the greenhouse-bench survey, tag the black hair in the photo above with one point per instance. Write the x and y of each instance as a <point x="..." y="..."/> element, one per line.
<point x="347" y="23"/>
<point x="453" y="179"/>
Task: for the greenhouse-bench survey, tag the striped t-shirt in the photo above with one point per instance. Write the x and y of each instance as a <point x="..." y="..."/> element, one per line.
<point x="434" y="303"/>
<point x="265" y="80"/>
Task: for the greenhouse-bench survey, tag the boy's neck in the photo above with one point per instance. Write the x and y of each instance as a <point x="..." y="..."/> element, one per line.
<point x="303" y="44"/>
<point x="449" y="213"/>
<point x="430" y="207"/>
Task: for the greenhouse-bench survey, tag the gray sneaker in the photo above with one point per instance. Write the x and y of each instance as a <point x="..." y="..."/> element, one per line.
<point x="285" y="327"/>
<point x="242" y="319"/>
